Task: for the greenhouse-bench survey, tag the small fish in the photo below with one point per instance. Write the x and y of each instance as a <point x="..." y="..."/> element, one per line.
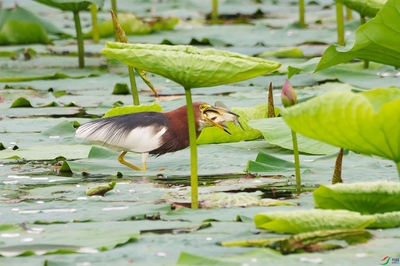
<point x="219" y="114"/>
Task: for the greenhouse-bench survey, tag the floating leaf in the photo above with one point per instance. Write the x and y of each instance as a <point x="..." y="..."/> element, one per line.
<point x="362" y="122"/>
<point x="362" y="197"/>
<point x="311" y="220"/>
<point x="268" y="163"/>
<point x="377" y="41"/>
<point x="276" y="132"/>
<point x="121" y="88"/>
<point x="21" y="103"/>
<point x="292" y="52"/>
<point x="314" y="241"/>
<point x="226" y="200"/>
<point x="190" y="66"/>
<point x="100" y="190"/>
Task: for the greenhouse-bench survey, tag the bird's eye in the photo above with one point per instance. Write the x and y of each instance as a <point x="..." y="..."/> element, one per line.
<point x="213" y="118"/>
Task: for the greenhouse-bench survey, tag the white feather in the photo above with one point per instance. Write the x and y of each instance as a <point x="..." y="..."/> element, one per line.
<point x="140" y="139"/>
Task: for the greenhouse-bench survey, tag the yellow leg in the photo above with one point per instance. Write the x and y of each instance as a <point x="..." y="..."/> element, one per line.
<point x="144" y="159"/>
<point x="122" y="161"/>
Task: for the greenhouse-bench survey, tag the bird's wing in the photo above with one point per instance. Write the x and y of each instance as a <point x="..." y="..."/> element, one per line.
<point x="139" y="132"/>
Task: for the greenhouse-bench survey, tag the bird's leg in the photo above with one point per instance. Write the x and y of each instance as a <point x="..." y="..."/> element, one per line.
<point x="144" y="159"/>
<point x="122" y="161"/>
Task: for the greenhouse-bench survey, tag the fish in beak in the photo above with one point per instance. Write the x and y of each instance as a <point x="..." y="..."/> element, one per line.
<point x="218" y="115"/>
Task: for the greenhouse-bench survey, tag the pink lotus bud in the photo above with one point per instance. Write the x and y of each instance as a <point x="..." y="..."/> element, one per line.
<point x="288" y="96"/>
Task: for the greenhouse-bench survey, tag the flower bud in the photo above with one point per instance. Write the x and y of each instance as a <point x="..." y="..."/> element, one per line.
<point x="288" y="95"/>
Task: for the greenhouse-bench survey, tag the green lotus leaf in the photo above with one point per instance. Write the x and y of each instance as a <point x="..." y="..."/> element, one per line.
<point x="311" y="220"/>
<point x="386" y="220"/>
<point x="362" y="197"/>
<point x="377" y="41"/>
<point x="130" y="109"/>
<point x="190" y="66"/>
<point x="364" y="122"/>
<point x="276" y="132"/>
<point x="20" y="32"/>
<point x="368" y="8"/>
<point x="71" y="5"/>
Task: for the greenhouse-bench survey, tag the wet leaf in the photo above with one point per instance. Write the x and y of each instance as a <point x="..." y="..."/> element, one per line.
<point x="311" y="220"/>
<point x="199" y="64"/>
<point x="357" y="121"/>
<point x="100" y="190"/>
<point x="362" y="197"/>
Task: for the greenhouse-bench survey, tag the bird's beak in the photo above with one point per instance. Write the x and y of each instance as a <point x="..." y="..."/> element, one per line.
<point x="217" y="116"/>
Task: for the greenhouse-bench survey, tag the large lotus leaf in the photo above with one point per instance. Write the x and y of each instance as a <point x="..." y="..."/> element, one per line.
<point x="71" y="5"/>
<point x="368" y="8"/>
<point x="190" y="66"/>
<point x="276" y="132"/>
<point x="386" y="220"/>
<point x="311" y="220"/>
<point x="377" y="40"/>
<point x="22" y="15"/>
<point x="365" y="122"/>
<point x="20" y="32"/>
<point x="362" y="197"/>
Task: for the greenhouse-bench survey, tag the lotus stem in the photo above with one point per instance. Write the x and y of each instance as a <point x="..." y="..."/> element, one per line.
<point x="193" y="150"/>
<point x="349" y="13"/>
<point x="340" y="23"/>
<point x="271" y="106"/>
<point x="302" y="20"/>
<point x="114" y="9"/>
<point x="95" y="25"/>
<point x="398" y="168"/>
<point x="135" y="93"/>
<point x="79" y="38"/>
<point x="121" y="37"/>
<point x="214" y="12"/>
<point x="363" y="21"/>
<point x="337" y="173"/>
<point x="296" y="162"/>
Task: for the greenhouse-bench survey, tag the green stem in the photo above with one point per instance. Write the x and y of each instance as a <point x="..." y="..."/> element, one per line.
<point x="193" y="149"/>
<point x="363" y="21"/>
<point x="398" y="168"/>
<point x="79" y="38"/>
<point x="349" y="13"/>
<point x="214" y="12"/>
<point x="340" y="23"/>
<point x="114" y="9"/>
<point x="135" y="94"/>
<point x="302" y="10"/>
<point x="95" y="25"/>
<point x="296" y="162"/>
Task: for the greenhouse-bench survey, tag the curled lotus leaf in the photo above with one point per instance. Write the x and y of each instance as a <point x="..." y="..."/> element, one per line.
<point x="362" y="197"/>
<point x="366" y="122"/>
<point x="295" y="222"/>
<point x="190" y="66"/>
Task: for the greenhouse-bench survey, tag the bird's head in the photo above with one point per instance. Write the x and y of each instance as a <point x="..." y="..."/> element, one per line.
<point x="217" y="116"/>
